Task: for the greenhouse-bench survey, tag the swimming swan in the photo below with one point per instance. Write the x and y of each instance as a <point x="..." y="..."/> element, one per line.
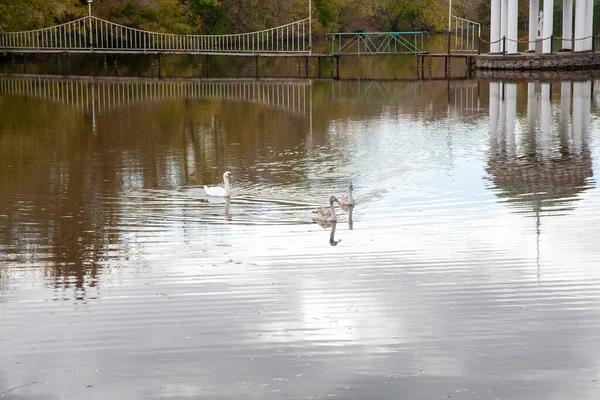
<point x="347" y="199"/>
<point x="218" y="191"/>
<point x="327" y="214"/>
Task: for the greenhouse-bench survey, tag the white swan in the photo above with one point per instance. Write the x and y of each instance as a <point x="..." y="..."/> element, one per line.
<point x="327" y="214"/>
<point x="218" y="191"/>
<point x="347" y="199"/>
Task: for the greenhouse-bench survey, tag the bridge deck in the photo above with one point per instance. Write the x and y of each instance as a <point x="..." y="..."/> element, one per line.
<point x="229" y="54"/>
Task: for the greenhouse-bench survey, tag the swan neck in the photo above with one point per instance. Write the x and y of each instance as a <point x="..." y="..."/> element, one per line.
<point x="227" y="187"/>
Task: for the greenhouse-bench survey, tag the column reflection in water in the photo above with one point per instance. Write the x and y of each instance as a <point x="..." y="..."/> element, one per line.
<point x="494" y="115"/>
<point x="565" y="114"/>
<point x="577" y="117"/>
<point x="554" y="162"/>
<point x="511" y="116"/>
<point x="545" y="117"/>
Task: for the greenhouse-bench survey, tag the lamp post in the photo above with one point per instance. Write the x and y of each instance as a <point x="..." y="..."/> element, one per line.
<point x="450" y="16"/>
<point x="90" y="19"/>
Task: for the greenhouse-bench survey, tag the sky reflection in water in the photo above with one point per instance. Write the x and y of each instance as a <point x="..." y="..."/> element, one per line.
<point x="469" y="268"/>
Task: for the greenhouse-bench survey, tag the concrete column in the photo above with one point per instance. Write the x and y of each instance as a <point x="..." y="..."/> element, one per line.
<point x="511" y="117"/>
<point x="548" y="29"/>
<point x="495" y="26"/>
<point x="503" y="22"/>
<point x="534" y="9"/>
<point x="589" y="23"/>
<point x="513" y="21"/>
<point x="567" y="25"/>
<point x="579" y="24"/>
<point x="545" y="118"/>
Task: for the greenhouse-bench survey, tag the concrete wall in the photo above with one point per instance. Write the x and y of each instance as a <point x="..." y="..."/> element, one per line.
<point x="556" y="61"/>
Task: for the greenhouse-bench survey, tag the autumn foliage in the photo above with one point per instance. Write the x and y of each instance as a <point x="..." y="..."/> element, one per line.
<point x="236" y="16"/>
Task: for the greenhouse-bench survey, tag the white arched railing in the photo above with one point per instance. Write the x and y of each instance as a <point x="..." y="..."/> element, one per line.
<point x="91" y="34"/>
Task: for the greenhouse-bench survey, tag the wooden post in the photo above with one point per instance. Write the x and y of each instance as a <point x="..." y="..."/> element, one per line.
<point x="331" y="66"/>
<point x="430" y="65"/>
<point x="446" y="65"/>
<point x="256" y="64"/>
<point x="306" y="65"/>
<point x="337" y="62"/>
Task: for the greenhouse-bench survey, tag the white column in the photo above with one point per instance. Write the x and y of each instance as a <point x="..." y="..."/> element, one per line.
<point x="579" y="24"/>
<point x="548" y="29"/>
<point x="589" y="23"/>
<point x="545" y="119"/>
<point x="495" y="26"/>
<point x="567" y="25"/>
<point x="503" y="22"/>
<point x="534" y="9"/>
<point x="511" y="117"/>
<point x="513" y="20"/>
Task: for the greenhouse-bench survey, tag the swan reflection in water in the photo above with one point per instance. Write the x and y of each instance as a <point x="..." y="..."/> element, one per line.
<point x="221" y="200"/>
<point x="332" y="225"/>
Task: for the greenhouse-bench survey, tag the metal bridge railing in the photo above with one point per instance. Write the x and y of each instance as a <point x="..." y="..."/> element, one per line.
<point x="95" y="34"/>
<point x="371" y="43"/>
<point x="466" y="35"/>
<point x="101" y="95"/>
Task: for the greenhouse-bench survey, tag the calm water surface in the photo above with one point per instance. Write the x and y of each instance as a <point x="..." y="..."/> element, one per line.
<point x="467" y="270"/>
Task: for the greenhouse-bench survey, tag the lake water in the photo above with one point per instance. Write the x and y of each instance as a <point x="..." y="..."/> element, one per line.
<point x="468" y="268"/>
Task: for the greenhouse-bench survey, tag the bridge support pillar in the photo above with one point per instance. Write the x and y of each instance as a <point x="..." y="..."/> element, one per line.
<point x="256" y="65"/>
<point x="318" y="67"/>
<point x="306" y="66"/>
